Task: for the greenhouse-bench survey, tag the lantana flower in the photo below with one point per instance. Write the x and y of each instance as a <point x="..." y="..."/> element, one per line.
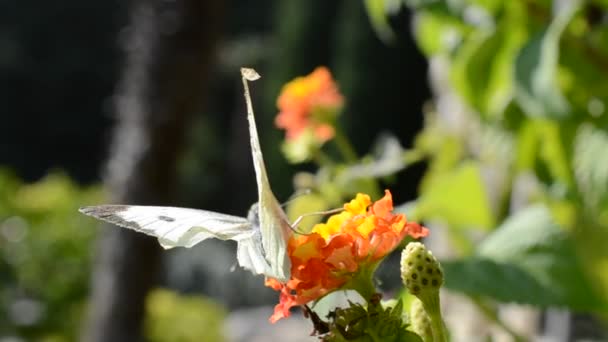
<point x="343" y="252"/>
<point x="308" y="107"/>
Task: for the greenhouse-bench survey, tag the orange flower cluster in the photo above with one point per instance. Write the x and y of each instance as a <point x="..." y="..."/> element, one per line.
<point x="309" y="103"/>
<point x="330" y="256"/>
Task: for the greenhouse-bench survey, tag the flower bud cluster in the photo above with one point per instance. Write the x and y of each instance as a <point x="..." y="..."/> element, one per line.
<point x="420" y="270"/>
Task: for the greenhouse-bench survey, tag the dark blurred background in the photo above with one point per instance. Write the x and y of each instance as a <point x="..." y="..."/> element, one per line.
<point x="60" y="65"/>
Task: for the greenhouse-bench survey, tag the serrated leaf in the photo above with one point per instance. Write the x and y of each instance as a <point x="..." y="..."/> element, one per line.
<point x="520" y="233"/>
<point x="530" y="260"/>
<point x="536" y="66"/>
<point x="477" y="276"/>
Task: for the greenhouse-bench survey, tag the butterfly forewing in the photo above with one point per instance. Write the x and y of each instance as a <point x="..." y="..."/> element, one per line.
<point x="275" y="233"/>
<point x="274" y="227"/>
<point x="174" y="226"/>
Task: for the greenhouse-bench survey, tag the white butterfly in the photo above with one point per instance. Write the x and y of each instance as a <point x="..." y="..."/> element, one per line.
<point x="261" y="237"/>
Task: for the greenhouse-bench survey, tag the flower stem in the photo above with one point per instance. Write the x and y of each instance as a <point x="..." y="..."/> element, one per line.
<point x="347" y="151"/>
<point x="344" y="146"/>
<point x="322" y="159"/>
<point x="363" y="283"/>
<point x="412" y="156"/>
<point x="433" y="310"/>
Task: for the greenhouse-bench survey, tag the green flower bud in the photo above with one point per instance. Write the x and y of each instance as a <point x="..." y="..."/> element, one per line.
<point x="420" y="270"/>
<point x="423" y="276"/>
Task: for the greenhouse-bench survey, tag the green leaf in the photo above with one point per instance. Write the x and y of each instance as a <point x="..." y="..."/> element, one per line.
<point x="437" y="32"/>
<point x="301" y="205"/>
<point x="549" y="143"/>
<point x="482" y="69"/>
<point x="555" y="142"/>
<point x="527" y="146"/>
<point x="530" y="260"/>
<point x="491" y="6"/>
<point x="174" y="317"/>
<point x="419" y="4"/>
<point x="583" y="73"/>
<point x="459" y="197"/>
<point x="536" y="67"/>
<point x="477" y="276"/>
<point x="590" y="165"/>
<point x="472" y="67"/>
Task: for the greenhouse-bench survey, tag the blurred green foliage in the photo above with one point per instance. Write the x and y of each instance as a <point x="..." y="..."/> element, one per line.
<point x="516" y="140"/>
<point x="522" y="158"/>
<point x="171" y="317"/>
<point x="46" y="250"/>
<point x="45" y="256"/>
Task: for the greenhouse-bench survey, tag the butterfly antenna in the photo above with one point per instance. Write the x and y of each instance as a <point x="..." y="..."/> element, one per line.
<point x="294" y="225"/>
<point x="296" y="195"/>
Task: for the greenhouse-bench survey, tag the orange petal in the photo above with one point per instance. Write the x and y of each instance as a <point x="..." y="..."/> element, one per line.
<point x="416" y="231"/>
<point x="324" y="132"/>
<point x="305" y="247"/>
<point x="273" y="283"/>
<point x="281" y="310"/>
<point x="384" y="206"/>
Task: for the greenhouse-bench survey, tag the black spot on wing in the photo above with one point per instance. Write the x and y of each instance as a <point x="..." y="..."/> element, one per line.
<point x="166" y="218"/>
<point x="99" y="210"/>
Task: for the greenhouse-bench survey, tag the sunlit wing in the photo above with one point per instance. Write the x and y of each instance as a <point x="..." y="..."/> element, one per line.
<point x="274" y="226"/>
<point x="174" y="226"/>
<point x="251" y="256"/>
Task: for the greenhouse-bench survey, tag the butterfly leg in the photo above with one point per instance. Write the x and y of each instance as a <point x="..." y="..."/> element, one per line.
<point x="297" y="221"/>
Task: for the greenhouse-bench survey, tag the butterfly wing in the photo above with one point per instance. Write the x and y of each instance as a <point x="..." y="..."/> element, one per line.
<point x="251" y="256"/>
<point x="274" y="227"/>
<point x="174" y="226"/>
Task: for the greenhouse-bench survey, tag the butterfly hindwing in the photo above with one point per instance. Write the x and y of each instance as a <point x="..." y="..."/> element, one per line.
<point x="251" y="256"/>
<point x="174" y="226"/>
